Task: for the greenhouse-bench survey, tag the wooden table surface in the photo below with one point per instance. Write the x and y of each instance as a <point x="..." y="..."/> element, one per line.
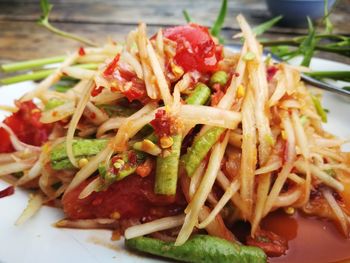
<point x="21" y="38"/>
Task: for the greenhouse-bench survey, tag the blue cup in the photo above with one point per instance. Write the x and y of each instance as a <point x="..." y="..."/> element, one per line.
<point x="295" y="11"/>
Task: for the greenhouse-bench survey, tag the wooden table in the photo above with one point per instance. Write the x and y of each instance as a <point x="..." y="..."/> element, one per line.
<point x="21" y="38"/>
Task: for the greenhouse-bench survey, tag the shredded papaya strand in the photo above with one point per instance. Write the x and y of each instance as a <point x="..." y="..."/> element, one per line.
<point x="258" y="79"/>
<point x="287" y="167"/>
<point x="249" y="154"/>
<point x="203" y="191"/>
<point x="75" y="119"/>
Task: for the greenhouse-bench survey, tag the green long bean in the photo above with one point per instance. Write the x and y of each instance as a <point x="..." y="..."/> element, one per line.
<point x="167" y="167"/>
<point x="200" y="148"/>
<point x="199" y="248"/>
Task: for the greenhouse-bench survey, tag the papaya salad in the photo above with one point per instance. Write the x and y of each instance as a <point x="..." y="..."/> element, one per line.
<point x="170" y="140"/>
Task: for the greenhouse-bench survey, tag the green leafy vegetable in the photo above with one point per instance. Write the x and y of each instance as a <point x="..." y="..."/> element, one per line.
<point x="307" y="47"/>
<point x="326" y="20"/>
<point x="260" y="29"/>
<point x="216" y="29"/>
<point x="46" y="8"/>
<point x="187" y="16"/>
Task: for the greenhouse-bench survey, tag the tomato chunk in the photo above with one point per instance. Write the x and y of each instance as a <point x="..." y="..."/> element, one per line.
<point x="196" y="50"/>
<point x="26" y="124"/>
<point x="132" y="197"/>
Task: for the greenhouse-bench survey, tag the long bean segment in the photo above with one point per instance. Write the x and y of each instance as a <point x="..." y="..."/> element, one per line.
<point x="167" y="169"/>
<point x="121" y="166"/>
<point x="200" y="95"/>
<point x="82" y="149"/>
<point x="200" y="248"/>
<point x="200" y="148"/>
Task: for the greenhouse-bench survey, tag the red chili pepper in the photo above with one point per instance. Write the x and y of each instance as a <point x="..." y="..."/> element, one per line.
<point x="7" y="191"/>
<point x="111" y="67"/>
<point x="161" y="123"/>
<point x="96" y="90"/>
<point x="81" y="51"/>
<point x="271" y="71"/>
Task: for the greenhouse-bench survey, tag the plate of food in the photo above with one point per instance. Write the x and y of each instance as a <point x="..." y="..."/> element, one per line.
<point x="173" y="147"/>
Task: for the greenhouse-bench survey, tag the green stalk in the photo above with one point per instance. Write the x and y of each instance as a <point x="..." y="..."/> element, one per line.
<point x="29" y="64"/>
<point x="38" y="75"/>
<point x="62" y="33"/>
<point x="338" y="75"/>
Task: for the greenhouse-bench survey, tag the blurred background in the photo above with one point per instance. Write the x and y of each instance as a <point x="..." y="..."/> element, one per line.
<point x="21" y="38"/>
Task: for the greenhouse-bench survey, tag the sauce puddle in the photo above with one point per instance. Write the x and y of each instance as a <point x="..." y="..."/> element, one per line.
<point x="310" y="239"/>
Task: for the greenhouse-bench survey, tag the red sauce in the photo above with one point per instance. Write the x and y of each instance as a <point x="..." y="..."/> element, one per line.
<point x="195" y="49"/>
<point x="310" y="239"/>
<point x="132" y="197"/>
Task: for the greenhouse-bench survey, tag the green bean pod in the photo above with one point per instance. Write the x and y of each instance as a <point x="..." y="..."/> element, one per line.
<point x="124" y="168"/>
<point x="82" y="148"/>
<point x="200" y="95"/>
<point x="200" y="248"/>
<point x="200" y="148"/>
<point x="219" y="77"/>
<point x="167" y="169"/>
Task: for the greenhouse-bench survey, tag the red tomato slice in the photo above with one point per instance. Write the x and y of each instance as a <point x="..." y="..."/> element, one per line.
<point x="26" y="124"/>
<point x="195" y="49"/>
<point x="132" y="197"/>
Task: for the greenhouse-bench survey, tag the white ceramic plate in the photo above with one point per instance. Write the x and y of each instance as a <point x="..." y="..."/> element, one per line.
<point x="37" y="241"/>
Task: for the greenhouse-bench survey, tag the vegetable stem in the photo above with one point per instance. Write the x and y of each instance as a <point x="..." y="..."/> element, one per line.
<point x="338" y="75"/>
<point x="29" y="64"/>
<point x="38" y="75"/>
<point x="47" y="25"/>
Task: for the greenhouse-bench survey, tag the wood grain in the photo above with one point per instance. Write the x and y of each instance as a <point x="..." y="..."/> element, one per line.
<point x="156" y="12"/>
<point x="21" y="38"/>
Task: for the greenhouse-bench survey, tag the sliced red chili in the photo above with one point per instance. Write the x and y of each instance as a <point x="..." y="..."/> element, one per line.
<point x="161" y="123"/>
<point x="81" y="51"/>
<point x="96" y="90"/>
<point x="111" y="67"/>
<point x="271" y="72"/>
<point x="7" y="191"/>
